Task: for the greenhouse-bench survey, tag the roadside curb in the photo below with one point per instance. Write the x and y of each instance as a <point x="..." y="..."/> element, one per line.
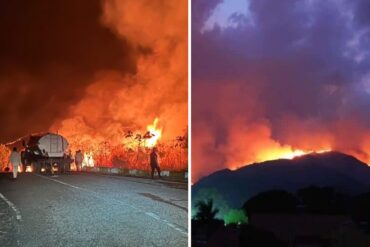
<point x="181" y="176"/>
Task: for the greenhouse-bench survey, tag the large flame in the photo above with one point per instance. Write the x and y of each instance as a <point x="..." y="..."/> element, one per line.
<point x="113" y="121"/>
<point x="262" y="103"/>
<point x="88" y="159"/>
<point x="289" y="153"/>
<point x="133" y="150"/>
<point x="249" y="142"/>
<point x="282" y="153"/>
<point x="154" y="134"/>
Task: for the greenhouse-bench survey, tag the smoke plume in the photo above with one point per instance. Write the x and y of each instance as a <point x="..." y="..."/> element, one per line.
<point x="277" y="79"/>
<point x="117" y="102"/>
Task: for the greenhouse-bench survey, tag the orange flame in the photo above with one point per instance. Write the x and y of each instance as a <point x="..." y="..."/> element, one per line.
<point x="290" y="153"/>
<point x="88" y="159"/>
<point x="155" y="134"/>
<point x="283" y="153"/>
<point x="116" y="108"/>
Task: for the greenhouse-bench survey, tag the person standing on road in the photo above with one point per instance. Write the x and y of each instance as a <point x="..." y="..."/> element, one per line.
<point x="78" y="160"/>
<point x="15" y="160"/>
<point x="154" y="164"/>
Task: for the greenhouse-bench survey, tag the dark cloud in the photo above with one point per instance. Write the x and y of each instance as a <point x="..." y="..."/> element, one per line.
<point x="361" y="13"/>
<point x="306" y="60"/>
<point x="49" y="53"/>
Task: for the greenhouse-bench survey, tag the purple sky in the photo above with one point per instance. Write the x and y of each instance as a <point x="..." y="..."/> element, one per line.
<point x="287" y="72"/>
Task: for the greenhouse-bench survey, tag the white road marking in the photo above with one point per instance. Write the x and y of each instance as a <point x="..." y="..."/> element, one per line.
<point x="153" y="215"/>
<point x="12" y="206"/>
<point x="150" y="214"/>
<point x="58" y="181"/>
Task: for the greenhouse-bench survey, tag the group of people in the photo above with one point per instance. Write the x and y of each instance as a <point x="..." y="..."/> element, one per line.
<point x="15" y="161"/>
<point x="154" y="161"/>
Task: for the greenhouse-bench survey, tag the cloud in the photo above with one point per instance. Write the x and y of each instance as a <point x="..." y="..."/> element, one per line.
<point x="299" y="84"/>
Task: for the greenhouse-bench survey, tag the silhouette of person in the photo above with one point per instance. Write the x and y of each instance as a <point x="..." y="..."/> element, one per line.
<point x="15" y="160"/>
<point x="154" y="164"/>
<point x="78" y="160"/>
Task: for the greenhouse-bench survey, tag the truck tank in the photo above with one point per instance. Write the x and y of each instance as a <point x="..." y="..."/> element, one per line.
<point x="44" y="153"/>
<point x="51" y="145"/>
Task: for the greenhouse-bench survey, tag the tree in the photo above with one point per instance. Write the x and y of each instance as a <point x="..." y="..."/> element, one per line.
<point x="235" y="216"/>
<point x="361" y="208"/>
<point x="274" y="201"/>
<point x="323" y="200"/>
<point x="251" y="236"/>
<point x="206" y="213"/>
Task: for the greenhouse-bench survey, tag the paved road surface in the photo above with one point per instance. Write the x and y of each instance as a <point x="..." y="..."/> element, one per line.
<point x="91" y="210"/>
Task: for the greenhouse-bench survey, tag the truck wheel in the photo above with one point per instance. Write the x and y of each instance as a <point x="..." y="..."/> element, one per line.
<point x="57" y="165"/>
<point x="48" y="169"/>
<point x="61" y="169"/>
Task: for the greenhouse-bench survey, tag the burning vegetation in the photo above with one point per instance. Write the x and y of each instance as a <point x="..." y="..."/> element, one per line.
<point x="4" y="156"/>
<point x="125" y="93"/>
<point x="133" y="150"/>
<point x="121" y="116"/>
<point x="270" y="85"/>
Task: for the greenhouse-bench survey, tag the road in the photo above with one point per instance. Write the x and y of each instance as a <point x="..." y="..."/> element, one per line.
<point x="92" y="210"/>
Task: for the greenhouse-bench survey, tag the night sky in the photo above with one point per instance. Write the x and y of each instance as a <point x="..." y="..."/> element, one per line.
<point x="278" y="75"/>
<point x="49" y="52"/>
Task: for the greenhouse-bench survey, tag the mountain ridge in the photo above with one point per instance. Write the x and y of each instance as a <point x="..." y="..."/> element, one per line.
<point x="343" y="172"/>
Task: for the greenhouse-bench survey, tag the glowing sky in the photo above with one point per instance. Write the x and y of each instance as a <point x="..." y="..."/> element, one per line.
<point x="272" y="77"/>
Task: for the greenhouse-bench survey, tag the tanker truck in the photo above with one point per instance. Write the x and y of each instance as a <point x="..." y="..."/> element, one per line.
<point x="44" y="153"/>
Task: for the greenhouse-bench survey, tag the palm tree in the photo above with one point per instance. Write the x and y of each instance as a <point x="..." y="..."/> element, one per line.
<point x="206" y="212"/>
